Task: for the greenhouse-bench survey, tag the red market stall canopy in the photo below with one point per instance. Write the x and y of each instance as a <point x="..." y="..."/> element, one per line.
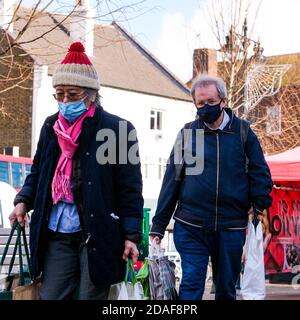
<point x="283" y="251"/>
<point x="285" y="167"/>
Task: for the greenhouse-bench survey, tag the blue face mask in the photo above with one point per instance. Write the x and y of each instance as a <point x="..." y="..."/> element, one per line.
<point x="210" y="114"/>
<point x="72" y="110"/>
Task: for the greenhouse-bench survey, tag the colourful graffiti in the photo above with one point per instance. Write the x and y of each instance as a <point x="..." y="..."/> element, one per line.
<point x="283" y="251"/>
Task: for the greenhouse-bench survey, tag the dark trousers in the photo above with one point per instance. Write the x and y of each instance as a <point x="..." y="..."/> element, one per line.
<point x="66" y="274"/>
<point x="195" y="246"/>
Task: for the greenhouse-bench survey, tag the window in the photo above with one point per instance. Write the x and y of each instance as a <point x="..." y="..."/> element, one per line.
<point x="152" y="120"/>
<point x="155" y="120"/>
<point x="4" y="176"/>
<point x="27" y="169"/>
<point x="17" y="178"/>
<point x="145" y="168"/>
<point x="1" y="216"/>
<point x="171" y="245"/>
<point x="273" y="123"/>
<point x="153" y="168"/>
<point x="162" y="164"/>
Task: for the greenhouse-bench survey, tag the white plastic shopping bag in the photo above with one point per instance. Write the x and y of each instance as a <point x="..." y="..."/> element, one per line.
<point x="253" y="285"/>
<point x="127" y="290"/>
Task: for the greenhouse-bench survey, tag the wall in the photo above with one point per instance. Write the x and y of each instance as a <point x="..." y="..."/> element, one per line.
<point x="43" y="104"/>
<point x="16" y="69"/>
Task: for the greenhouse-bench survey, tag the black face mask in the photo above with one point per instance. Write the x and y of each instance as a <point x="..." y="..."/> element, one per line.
<point x="210" y="114"/>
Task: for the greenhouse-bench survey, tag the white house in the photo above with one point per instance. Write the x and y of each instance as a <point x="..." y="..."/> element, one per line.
<point x="134" y="84"/>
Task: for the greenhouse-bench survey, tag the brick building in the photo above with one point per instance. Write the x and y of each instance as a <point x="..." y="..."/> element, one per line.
<point x="16" y="83"/>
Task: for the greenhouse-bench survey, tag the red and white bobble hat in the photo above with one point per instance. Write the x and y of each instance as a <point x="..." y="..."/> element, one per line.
<point x="76" y="69"/>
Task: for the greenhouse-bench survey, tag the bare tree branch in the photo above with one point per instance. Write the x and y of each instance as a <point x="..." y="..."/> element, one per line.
<point x="239" y="52"/>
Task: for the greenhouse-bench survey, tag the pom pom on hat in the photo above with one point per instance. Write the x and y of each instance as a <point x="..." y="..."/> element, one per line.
<point x="76" y="46"/>
<point x="76" y="69"/>
<point x="76" y="54"/>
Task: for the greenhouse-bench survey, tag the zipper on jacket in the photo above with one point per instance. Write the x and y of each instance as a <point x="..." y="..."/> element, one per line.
<point x="87" y="239"/>
<point x="217" y="184"/>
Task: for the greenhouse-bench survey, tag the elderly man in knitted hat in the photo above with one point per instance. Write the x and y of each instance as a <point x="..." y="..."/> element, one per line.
<point x="87" y="216"/>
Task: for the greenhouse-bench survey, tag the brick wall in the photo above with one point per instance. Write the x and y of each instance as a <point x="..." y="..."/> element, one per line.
<point x="288" y="138"/>
<point x="205" y="61"/>
<point x="16" y="82"/>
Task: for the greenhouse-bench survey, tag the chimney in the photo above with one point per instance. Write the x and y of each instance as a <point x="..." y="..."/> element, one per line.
<point x="82" y="26"/>
<point x="6" y="14"/>
<point x="205" y="61"/>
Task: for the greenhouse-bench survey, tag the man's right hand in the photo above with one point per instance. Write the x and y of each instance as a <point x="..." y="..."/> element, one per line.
<point x="19" y="214"/>
<point x="156" y="239"/>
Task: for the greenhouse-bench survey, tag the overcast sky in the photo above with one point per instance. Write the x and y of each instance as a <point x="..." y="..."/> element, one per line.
<point x="172" y="29"/>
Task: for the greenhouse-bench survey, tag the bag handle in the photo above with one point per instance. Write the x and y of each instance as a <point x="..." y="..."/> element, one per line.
<point x="18" y="246"/>
<point x="26" y="251"/>
<point x="12" y="260"/>
<point x="8" y="243"/>
<point x="130" y="269"/>
<point x="21" y="279"/>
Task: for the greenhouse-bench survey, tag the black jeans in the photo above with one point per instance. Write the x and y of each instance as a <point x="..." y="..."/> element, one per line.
<point x="66" y="274"/>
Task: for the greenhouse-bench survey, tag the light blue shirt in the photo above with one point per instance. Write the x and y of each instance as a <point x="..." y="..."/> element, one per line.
<point x="64" y="218"/>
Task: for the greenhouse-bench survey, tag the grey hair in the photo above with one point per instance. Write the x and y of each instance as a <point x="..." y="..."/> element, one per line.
<point x="206" y="80"/>
<point x="89" y="92"/>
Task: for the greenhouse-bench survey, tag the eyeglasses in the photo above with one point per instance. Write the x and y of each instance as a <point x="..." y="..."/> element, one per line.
<point x="71" y="96"/>
<point x="210" y="103"/>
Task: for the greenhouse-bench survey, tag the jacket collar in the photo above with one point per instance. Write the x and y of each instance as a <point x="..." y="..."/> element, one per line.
<point x="232" y="117"/>
<point x="90" y="121"/>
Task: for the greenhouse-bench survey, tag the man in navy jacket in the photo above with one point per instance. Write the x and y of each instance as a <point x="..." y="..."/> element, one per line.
<point x="211" y="206"/>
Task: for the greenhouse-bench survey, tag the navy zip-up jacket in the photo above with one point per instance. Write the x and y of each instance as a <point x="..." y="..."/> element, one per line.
<point x="220" y="197"/>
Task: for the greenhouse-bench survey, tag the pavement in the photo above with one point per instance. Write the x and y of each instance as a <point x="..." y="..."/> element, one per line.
<point x="273" y="292"/>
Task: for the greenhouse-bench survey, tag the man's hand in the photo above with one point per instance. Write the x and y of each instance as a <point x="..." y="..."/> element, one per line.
<point x="130" y="251"/>
<point x="156" y="239"/>
<point x="254" y="215"/>
<point x="18" y="214"/>
<point x="250" y="212"/>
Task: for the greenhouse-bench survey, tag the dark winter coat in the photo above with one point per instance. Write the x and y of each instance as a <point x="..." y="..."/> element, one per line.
<point x="220" y="197"/>
<point x="98" y="190"/>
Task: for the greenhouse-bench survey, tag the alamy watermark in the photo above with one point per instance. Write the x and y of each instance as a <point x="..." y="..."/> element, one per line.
<point x="296" y="278"/>
<point x="123" y="149"/>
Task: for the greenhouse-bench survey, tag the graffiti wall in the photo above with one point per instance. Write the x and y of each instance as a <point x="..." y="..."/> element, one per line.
<point x="283" y="251"/>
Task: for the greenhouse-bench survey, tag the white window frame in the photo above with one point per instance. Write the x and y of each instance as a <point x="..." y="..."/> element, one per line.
<point x="154" y="114"/>
<point x="273" y="120"/>
<point x="145" y="168"/>
<point x="162" y="165"/>
<point x="1" y="216"/>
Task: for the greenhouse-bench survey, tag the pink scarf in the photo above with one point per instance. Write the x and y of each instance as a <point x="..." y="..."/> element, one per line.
<point x="67" y="136"/>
